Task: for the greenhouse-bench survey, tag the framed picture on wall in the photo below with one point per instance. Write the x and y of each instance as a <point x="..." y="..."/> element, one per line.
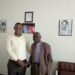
<point x="28" y="27"/>
<point x="29" y="16"/>
<point x="3" y="26"/>
<point x="65" y="27"/>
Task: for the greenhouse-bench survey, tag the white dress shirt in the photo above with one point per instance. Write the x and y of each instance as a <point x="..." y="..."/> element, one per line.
<point x="16" y="47"/>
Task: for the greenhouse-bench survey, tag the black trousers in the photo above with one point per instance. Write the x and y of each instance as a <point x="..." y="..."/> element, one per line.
<point x="35" y="69"/>
<point x="15" y="69"/>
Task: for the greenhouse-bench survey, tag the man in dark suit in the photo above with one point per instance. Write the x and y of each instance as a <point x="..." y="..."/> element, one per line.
<point x="40" y="59"/>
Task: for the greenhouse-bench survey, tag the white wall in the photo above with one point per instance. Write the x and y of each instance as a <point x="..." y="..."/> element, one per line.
<point x="46" y="18"/>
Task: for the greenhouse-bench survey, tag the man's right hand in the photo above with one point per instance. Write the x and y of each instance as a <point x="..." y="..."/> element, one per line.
<point x="20" y="63"/>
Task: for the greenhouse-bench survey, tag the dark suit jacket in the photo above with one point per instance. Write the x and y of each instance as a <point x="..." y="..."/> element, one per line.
<point x="45" y="59"/>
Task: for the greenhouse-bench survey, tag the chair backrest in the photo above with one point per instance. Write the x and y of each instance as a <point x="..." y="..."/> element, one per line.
<point x="67" y="66"/>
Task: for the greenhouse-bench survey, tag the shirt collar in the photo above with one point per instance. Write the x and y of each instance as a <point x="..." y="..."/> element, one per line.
<point x="38" y="43"/>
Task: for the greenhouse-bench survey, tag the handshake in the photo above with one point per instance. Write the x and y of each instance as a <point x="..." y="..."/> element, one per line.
<point x="23" y="63"/>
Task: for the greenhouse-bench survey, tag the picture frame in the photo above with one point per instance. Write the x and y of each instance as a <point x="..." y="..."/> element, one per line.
<point x="65" y="27"/>
<point x="3" y="26"/>
<point x="29" y="16"/>
<point x="28" y="28"/>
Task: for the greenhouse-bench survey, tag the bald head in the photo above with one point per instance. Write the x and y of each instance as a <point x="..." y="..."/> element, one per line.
<point x="37" y="37"/>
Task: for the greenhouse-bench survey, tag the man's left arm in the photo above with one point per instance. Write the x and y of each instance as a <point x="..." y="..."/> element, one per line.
<point x="48" y="54"/>
<point x="49" y="60"/>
